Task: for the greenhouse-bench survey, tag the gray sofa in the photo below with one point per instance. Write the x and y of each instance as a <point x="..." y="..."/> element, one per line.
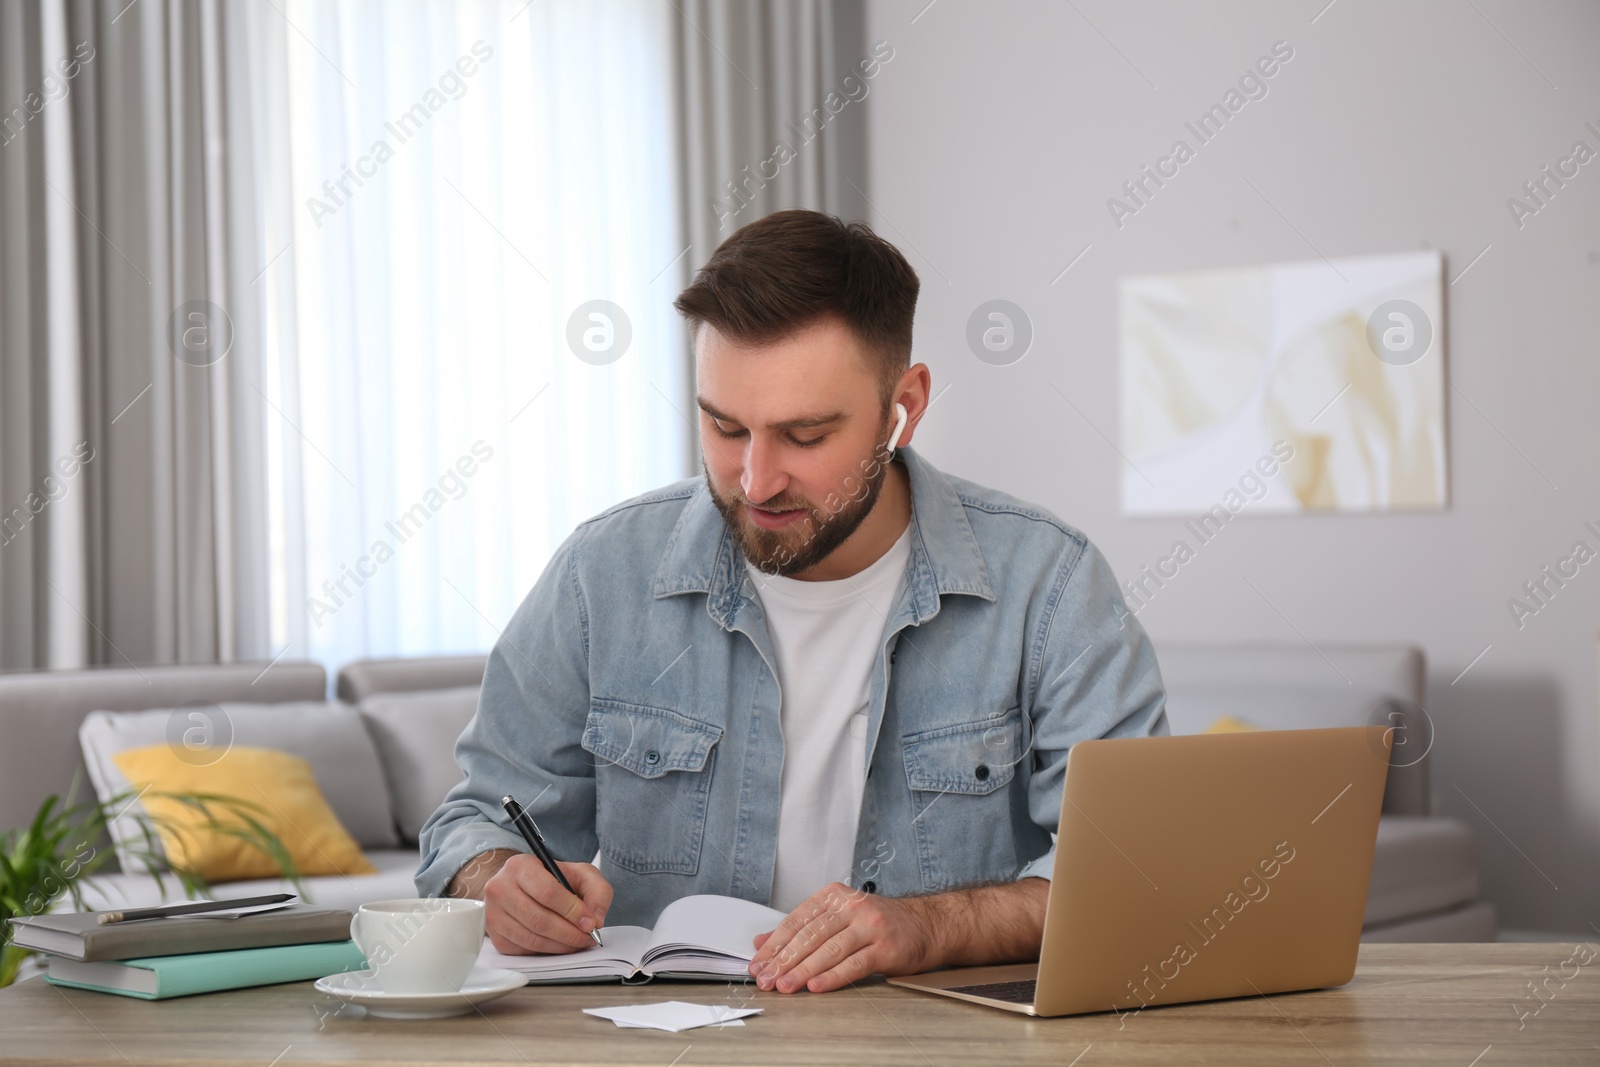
<point x="410" y="711"/>
<point x="1424" y="881"/>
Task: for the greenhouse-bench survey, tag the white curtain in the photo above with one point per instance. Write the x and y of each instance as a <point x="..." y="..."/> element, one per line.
<point x="443" y="186"/>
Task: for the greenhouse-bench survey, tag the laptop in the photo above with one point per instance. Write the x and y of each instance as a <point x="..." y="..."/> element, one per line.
<point x="1196" y="868"/>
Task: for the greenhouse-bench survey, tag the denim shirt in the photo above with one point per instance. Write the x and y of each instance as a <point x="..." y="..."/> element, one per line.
<point x="632" y="703"/>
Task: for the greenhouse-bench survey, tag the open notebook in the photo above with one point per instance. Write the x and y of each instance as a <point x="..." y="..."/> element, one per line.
<point x="707" y="937"/>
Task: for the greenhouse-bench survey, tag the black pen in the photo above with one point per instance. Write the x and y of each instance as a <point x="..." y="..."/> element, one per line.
<point x="530" y="833"/>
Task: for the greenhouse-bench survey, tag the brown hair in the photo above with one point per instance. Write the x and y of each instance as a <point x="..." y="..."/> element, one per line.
<point x="783" y="272"/>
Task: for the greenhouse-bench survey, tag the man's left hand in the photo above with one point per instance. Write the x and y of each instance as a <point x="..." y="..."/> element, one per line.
<point x="840" y="935"/>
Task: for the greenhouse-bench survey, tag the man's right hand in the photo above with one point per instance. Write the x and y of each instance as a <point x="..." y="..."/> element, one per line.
<point x="528" y="911"/>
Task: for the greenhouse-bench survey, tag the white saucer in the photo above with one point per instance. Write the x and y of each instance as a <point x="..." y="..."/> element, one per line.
<point x="361" y="987"/>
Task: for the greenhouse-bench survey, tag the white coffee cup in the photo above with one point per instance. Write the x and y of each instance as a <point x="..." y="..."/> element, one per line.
<point x="420" y="945"/>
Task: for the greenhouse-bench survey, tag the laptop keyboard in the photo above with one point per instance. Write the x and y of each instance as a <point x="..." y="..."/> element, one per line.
<point x="1010" y="992"/>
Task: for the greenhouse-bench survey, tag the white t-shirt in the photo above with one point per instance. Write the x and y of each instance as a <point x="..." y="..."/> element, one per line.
<point x="826" y="636"/>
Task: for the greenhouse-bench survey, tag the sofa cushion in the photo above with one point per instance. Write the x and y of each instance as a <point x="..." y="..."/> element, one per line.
<point x="395" y="868"/>
<point x="416" y="736"/>
<point x="1469" y="922"/>
<point x="1194" y="709"/>
<point x="1422" y="864"/>
<point x="327" y="735"/>
<point x="285" y="797"/>
<point x="407" y="674"/>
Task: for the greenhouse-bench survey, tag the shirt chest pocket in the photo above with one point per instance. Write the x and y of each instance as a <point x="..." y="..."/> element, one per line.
<point x="962" y="810"/>
<point x="653" y="772"/>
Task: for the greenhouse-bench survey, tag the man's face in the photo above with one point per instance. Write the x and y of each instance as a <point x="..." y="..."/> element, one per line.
<point x="792" y="438"/>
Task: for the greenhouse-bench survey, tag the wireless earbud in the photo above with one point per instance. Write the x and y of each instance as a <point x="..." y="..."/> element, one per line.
<point x="899" y="428"/>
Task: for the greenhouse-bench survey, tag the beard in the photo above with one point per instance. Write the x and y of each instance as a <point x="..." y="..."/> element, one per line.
<point x="804" y="543"/>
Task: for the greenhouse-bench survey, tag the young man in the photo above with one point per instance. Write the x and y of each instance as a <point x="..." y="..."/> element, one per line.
<point x="705" y="685"/>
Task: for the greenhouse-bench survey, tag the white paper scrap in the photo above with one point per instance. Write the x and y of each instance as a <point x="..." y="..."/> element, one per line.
<point x="714" y="1026"/>
<point x="672" y="1015"/>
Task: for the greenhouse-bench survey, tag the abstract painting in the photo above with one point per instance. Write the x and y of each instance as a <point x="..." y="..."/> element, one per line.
<point x="1296" y="387"/>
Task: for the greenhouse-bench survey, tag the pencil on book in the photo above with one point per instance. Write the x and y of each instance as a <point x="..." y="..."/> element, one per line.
<point x="192" y="908"/>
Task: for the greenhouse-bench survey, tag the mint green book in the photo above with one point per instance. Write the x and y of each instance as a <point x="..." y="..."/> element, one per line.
<point x="160" y="977"/>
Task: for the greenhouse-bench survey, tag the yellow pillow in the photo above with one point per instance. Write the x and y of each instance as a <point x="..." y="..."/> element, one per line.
<point x="287" y="802"/>
<point x="1230" y="725"/>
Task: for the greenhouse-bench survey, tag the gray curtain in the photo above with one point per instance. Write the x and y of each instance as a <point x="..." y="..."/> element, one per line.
<point x="130" y="486"/>
<point x="759" y="132"/>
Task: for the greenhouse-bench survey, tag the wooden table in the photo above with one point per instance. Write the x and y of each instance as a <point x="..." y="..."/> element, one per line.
<point x="1461" y="1005"/>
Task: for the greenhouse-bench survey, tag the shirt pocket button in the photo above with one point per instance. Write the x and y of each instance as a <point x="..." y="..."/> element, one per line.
<point x="981" y="772"/>
<point x="653" y="757"/>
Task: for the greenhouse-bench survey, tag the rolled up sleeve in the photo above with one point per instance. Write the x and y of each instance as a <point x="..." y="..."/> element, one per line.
<point x="524" y="739"/>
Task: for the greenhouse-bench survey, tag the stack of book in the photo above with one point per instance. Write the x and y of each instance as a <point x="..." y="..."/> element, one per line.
<point x="177" y="955"/>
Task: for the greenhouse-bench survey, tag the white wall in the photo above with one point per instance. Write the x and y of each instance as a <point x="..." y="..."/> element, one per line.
<point x="998" y="132"/>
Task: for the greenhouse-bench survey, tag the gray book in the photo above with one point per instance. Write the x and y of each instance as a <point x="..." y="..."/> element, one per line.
<point x="80" y="936"/>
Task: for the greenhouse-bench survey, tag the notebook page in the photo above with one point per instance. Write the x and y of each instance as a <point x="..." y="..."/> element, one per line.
<point x="708" y="925"/>
<point x="620" y="954"/>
